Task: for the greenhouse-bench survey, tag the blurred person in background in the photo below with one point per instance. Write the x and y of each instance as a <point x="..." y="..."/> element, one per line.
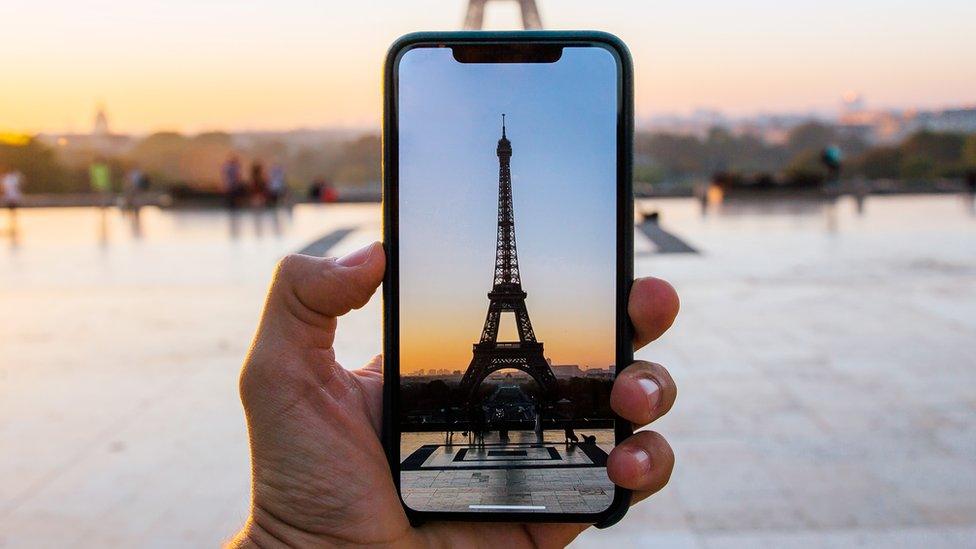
<point x="233" y="185"/>
<point x="259" y="184"/>
<point x="276" y="185"/>
<point x="321" y="190"/>
<point x="330" y="194"/>
<point x="10" y="192"/>
<point x="134" y="182"/>
<point x="11" y="183"/>
<point x="136" y="185"/>
<point x="100" y="178"/>
<point x="315" y="189"/>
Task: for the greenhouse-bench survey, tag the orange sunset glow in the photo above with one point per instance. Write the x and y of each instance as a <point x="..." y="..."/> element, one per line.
<point x="191" y="66"/>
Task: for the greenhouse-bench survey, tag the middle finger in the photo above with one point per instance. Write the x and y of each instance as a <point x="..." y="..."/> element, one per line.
<point x="643" y="392"/>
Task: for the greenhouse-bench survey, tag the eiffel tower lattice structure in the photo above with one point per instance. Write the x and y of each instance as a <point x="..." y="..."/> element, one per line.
<point x="507" y="296"/>
<point x="474" y="18"/>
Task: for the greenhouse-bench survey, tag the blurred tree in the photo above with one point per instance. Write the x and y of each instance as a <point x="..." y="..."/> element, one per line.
<point x="675" y="156"/>
<point x="969" y="152"/>
<point x="648" y="172"/>
<point x="812" y="136"/>
<point x="917" y="166"/>
<point x="43" y="172"/>
<point x="160" y="154"/>
<point x="720" y="150"/>
<point x="201" y="157"/>
<point x="923" y="155"/>
<point x="222" y="139"/>
<point x="312" y="162"/>
<point x="805" y="167"/>
<point x="360" y="161"/>
<point x="938" y="148"/>
<point x="878" y="163"/>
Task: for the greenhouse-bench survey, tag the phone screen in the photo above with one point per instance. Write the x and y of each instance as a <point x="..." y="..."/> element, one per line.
<point x="507" y="197"/>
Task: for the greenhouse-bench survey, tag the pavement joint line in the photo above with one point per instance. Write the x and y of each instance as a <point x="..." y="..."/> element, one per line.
<point x="666" y="242"/>
<point x="321" y="246"/>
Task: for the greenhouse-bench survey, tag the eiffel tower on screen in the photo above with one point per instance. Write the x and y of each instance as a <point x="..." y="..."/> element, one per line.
<point x="506" y="296"/>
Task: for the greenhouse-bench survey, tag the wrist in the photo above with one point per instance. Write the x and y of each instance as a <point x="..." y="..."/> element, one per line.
<point x="253" y="536"/>
<point x="263" y="531"/>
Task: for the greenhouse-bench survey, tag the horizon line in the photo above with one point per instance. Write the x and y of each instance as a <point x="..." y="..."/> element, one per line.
<point x="640" y="119"/>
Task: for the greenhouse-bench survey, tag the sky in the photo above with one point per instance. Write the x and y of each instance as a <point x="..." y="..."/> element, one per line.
<point x="562" y="129"/>
<point x="197" y="65"/>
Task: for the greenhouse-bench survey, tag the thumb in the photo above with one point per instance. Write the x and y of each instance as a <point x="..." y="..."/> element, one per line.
<point x="316" y="290"/>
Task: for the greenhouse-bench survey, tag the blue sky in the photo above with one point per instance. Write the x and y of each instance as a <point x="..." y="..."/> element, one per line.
<point x="561" y="122"/>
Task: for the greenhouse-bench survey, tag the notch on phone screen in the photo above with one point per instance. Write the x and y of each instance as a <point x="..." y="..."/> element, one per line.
<point x="507" y="53"/>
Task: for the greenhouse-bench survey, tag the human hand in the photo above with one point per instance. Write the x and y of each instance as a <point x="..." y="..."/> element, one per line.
<point x="320" y="476"/>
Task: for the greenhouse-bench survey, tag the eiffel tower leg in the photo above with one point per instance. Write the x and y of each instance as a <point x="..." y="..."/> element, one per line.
<point x="523" y="323"/>
<point x="530" y="15"/>
<point x="476" y="372"/>
<point x="492" y="320"/>
<point x="543" y="375"/>
<point x="474" y="17"/>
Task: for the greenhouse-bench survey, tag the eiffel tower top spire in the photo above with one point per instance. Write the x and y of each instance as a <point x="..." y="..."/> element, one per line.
<point x="504" y="145"/>
<point x="506" y="257"/>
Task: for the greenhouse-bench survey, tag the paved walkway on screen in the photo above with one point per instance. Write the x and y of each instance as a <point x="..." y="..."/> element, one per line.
<point x="550" y="477"/>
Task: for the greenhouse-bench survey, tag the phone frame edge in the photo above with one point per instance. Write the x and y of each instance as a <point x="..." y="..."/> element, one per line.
<point x="625" y="254"/>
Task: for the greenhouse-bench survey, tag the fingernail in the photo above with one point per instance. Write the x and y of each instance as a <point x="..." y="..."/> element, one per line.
<point x="641" y="458"/>
<point x="652" y="390"/>
<point x="360" y="256"/>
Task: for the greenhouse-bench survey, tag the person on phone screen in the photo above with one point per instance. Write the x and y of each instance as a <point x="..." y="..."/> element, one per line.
<point x="320" y="476"/>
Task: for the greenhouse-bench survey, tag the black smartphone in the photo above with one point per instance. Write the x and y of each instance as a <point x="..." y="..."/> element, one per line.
<point x="508" y="225"/>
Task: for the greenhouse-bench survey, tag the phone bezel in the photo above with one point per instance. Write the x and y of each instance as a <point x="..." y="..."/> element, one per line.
<point x="625" y="248"/>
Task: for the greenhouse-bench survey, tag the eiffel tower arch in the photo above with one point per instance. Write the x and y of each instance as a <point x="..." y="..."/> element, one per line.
<point x="506" y="296"/>
<point x="474" y="17"/>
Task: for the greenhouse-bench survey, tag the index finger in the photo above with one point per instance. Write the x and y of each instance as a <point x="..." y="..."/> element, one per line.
<point x="653" y="306"/>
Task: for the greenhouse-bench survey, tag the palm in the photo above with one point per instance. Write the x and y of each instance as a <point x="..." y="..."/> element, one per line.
<point x="336" y="484"/>
<point x="322" y="464"/>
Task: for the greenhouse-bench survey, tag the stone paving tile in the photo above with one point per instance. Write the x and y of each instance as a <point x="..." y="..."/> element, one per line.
<point x="549" y="483"/>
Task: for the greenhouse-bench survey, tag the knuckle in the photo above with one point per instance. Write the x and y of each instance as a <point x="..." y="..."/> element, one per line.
<point x="658" y="372"/>
<point x="247" y="383"/>
<point x="657" y="440"/>
<point x="290" y="269"/>
<point x="644" y="368"/>
<point x="662" y="450"/>
<point x="646" y="365"/>
<point x="288" y="265"/>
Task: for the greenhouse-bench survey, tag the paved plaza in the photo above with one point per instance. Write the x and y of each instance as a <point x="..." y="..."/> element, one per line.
<point x="824" y="359"/>
<point x="522" y="473"/>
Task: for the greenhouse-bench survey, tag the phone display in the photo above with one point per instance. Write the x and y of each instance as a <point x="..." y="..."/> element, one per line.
<point x="507" y="252"/>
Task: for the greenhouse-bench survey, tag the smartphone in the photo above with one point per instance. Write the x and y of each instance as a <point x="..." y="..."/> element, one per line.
<point x="508" y="226"/>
